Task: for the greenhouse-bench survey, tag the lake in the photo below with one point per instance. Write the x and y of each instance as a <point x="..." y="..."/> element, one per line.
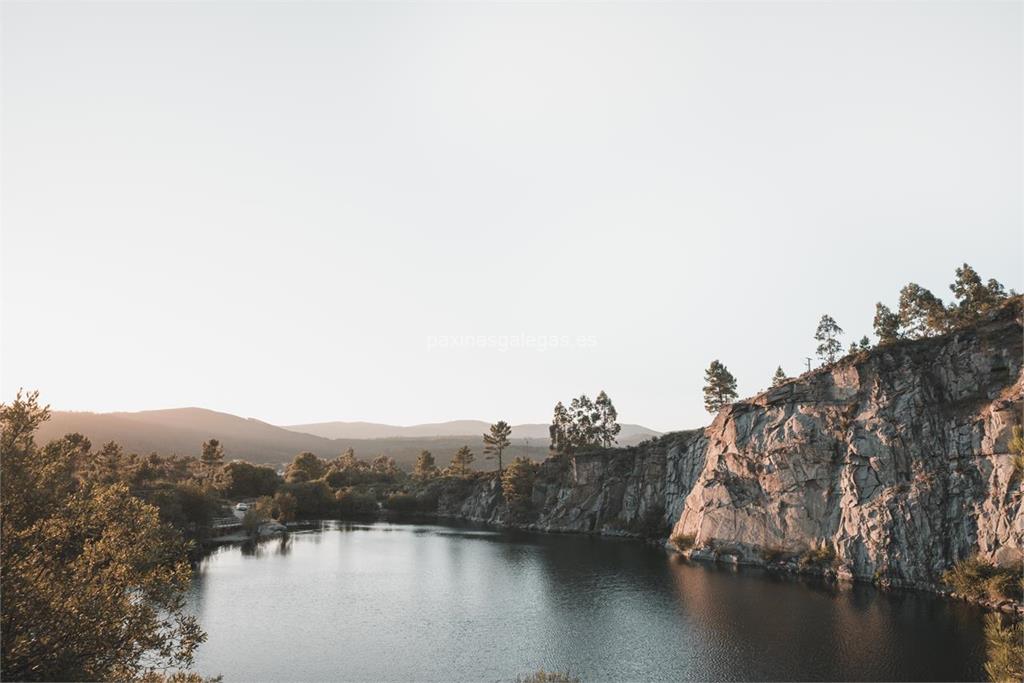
<point x="415" y="602"/>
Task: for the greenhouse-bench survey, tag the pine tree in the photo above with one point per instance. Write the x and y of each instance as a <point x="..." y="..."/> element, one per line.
<point x="779" y="377"/>
<point x="921" y="312"/>
<point x="864" y="343"/>
<point x="517" y="481"/>
<point x="828" y="345"/>
<point x="212" y="454"/>
<point x="497" y="441"/>
<point x="461" y="460"/>
<point x="425" y="466"/>
<point x="719" y="387"/>
<point x="887" y="325"/>
<point x="974" y="298"/>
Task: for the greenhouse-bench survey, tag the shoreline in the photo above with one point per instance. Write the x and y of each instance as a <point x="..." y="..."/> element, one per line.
<point x="1010" y="608"/>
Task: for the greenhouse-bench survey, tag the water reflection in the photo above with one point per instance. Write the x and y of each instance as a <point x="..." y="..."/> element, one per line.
<point x="430" y="602"/>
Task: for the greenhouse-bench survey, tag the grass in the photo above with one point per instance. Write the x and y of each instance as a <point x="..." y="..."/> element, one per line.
<point x="1004" y="647"/>
<point x="682" y="542"/>
<point x="1017" y="450"/>
<point x="822" y="556"/>
<point x="975" y="578"/>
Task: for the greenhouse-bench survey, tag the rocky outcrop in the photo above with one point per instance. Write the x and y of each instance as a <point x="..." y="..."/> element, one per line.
<point x="893" y="463"/>
<point x="621" y="491"/>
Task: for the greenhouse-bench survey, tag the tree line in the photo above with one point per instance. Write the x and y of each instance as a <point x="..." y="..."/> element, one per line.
<point x="919" y="314"/>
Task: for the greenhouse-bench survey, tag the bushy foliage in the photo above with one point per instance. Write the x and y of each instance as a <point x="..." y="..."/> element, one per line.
<point x="186" y="506"/>
<point x="517" y="481"/>
<point x="922" y="314"/>
<point x="886" y="324"/>
<point x="1004" y="649"/>
<point x="92" y="580"/>
<point x="682" y="542"/>
<point x="980" y="580"/>
<point x="283" y="507"/>
<point x="305" y="467"/>
<point x="426" y="467"/>
<point x="351" y="503"/>
<point x="313" y="499"/>
<point x="822" y="556"/>
<point x="239" y="479"/>
<point x="583" y="424"/>
<point x="1017" y="450"/>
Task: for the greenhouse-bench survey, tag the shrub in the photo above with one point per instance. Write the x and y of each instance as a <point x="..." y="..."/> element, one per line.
<point x="1004" y="647"/>
<point x="821" y="557"/>
<point x="314" y="499"/>
<point x="773" y="553"/>
<point x="401" y="502"/>
<point x="240" y="479"/>
<point x="1017" y="450"/>
<point x="682" y="541"/>
<point x="975" y="578"/>
<point x="350" y="503"/>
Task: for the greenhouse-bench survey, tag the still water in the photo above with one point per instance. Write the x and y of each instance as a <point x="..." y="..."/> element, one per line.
<point x="435" y="603"/>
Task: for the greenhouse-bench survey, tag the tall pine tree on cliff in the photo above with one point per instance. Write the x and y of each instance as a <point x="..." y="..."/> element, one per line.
<point x="496" y="441"/>
<point x="719" y="387"/>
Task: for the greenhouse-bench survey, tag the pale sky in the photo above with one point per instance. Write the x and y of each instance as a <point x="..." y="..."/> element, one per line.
<point x="280" y="210"/>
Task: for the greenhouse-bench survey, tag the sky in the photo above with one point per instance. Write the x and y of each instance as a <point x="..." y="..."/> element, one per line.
<point x="415" y="212"/>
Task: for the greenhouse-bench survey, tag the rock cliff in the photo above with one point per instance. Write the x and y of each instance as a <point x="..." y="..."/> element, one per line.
<point x="894" y="462"/>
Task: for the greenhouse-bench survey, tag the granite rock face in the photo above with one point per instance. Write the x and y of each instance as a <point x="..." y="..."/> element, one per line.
<point x="894" y="461"/>
<point x="618" y="491"/>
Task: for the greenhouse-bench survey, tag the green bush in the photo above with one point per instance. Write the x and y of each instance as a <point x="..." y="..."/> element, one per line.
<point x="823" y="556"/>
<point x="682" y="542"/>
<point x="975" y="578"/>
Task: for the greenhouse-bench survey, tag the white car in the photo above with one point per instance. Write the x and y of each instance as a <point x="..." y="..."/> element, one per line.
<point x="242" y="507"/>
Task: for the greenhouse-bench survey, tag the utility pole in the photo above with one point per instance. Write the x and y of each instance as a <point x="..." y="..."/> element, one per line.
<point x="808" y="364"/>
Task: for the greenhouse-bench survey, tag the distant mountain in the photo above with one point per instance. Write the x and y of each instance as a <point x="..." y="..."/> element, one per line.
<point x="631" y="434"/>
<point x="182" y="431"/>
